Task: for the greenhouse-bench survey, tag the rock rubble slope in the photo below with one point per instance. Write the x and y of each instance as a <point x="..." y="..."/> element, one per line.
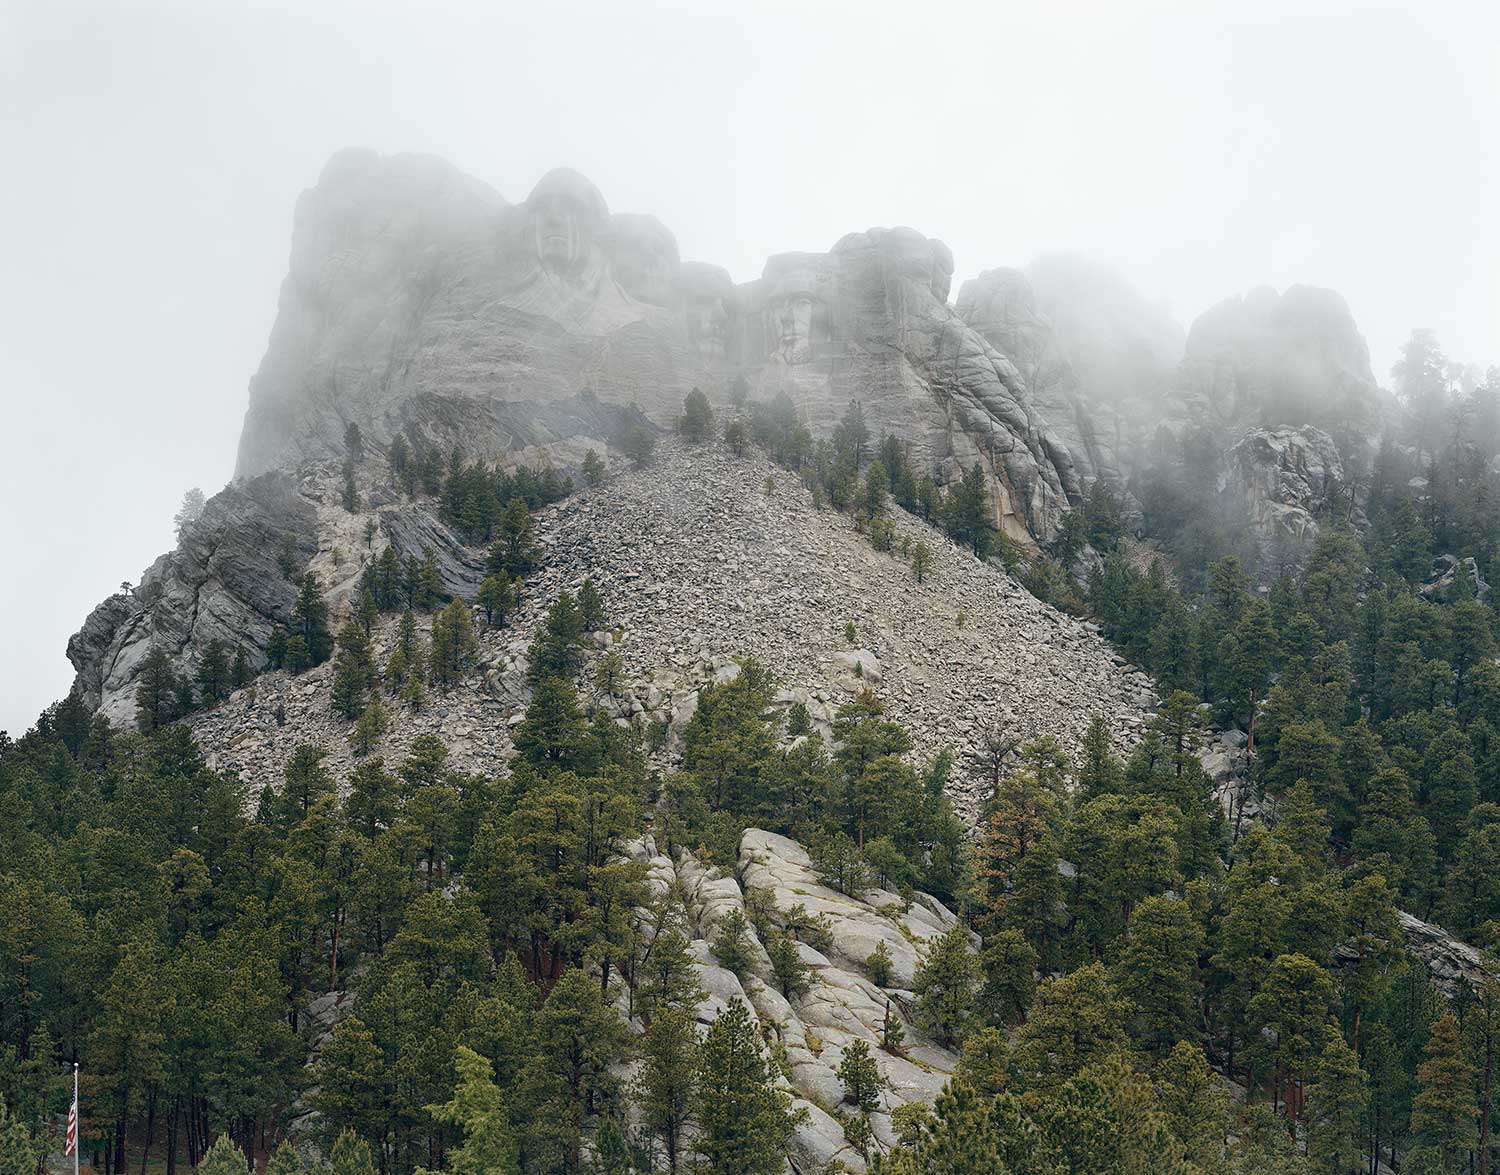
<point x="704" y="559"/>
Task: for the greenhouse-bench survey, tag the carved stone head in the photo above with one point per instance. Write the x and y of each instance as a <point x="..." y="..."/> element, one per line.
<point x="566" y="216"/>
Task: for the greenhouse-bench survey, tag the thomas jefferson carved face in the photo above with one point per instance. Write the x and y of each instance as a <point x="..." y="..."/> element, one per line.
<point x="792" y="317"/>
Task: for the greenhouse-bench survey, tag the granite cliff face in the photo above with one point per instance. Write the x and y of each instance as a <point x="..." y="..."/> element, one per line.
<point x="1279" y="385"/>
<point x="420" y="301"/>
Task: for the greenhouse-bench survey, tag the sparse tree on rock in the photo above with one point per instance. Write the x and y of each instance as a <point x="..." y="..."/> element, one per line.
<point x="787" y="968"/>
<point x="736" y="436"/>
<point x="190" y="510"/>
<point x="213" y="672"/>
<point x="155" y="691"/>
<point x="697" y="420"/>
<point x="921" y="562"/>
<point x="860" y="1077"/>
<point x="497" y="597"/>
<point x="670" y="1053"/>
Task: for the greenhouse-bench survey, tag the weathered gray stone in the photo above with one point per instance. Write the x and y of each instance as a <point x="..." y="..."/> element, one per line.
<point x="223" y="582"/>
<point x="1282" y="478"/>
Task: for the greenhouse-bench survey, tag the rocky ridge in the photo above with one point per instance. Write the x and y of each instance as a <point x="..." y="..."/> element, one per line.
<point x="419" y="300"/>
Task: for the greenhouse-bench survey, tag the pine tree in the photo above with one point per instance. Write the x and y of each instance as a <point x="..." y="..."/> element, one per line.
<point x="223" y="1158"/>
<point x="190" y="510"/>
<point x="557" y="648"/>
<point x="498" y="598"/>
<point x="1158" y="972"/>
<point x="297" y="656"/>
<point x="732" y="943"/>
<point x="454" y="644"/>
<point x="593" y="468"/>
<point x="638" y="443"/>
<point x="670" y="1053"/>
<point x="1292" y="1010"/>
<point x="478" y="1109"/>
<point x="350" y="498"/>
<point x="239" y="672"/>
<point x="310" y="621"/>
<point x="515" y="550"/>
<point x="787" y="968"/>
<point x="285" y="1161"/>
<point x="553" y="733"/>
<point x="984" y="1063"/>
<point x="276" y="648"/>
<point x="20" y="1152"/>
<point x="921" y="561"/>
<point x="213" y="672"/>
<point x="352" y="671"/>
<point x="744" y="1122"/>
<point x="697" y="421"/>
<point x="368" y="728"/>
<point x="155" y="691"/>
<point x="1444" y="1112"/>
<point x="945" y="986"/>
<point x="666" y="977"/>
<point x="1075" y="1020"/>
<point x="1194" y="1105"/>
<point x="966" y="513"/>
<point x="1336" y="1105"/>
<point x="591" y="607"/>
<point x="860" y="1076"/>
<point x="1009" y="964"/>
<point x="351" y="1155"/>
<point x="582" y="1039"/>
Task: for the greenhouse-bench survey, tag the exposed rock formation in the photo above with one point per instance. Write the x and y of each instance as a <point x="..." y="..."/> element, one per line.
<point x="1443" y="578"/>
<point x="419" y="300"/>
<point x="1282" y="478"/>
<point x="843" y="1002"/>
<point x="1001" y="305"/>
<point x="1123" y="347"/>
<point x="222" y="582"/>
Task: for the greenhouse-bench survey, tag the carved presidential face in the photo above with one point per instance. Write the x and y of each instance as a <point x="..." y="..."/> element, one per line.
<point x="792" y="318"/>
<point x="711" y="328"/>
<point x="565" y="214"/>
<point x="554" y="224"/>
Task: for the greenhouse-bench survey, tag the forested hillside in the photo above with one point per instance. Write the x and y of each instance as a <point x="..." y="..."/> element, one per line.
<point x="437" y="968"/>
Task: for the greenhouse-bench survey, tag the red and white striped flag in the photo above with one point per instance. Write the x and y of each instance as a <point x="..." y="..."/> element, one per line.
<point x="72" y="1143"/>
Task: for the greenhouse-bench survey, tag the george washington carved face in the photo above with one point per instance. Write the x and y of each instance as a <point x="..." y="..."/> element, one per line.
<point x="566" y="216"/>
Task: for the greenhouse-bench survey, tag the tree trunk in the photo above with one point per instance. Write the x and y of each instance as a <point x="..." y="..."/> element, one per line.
<point x="172" y="1136"/>
<point x="150" y="1129"/>
<point x="1484" y="1114"/>
<point x="333" y="956"/>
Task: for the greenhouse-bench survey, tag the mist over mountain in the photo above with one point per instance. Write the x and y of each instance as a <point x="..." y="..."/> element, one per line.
<point x="738" y="630"/>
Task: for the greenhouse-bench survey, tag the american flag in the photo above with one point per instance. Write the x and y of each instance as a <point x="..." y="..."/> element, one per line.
<point x="72" y="1144"/>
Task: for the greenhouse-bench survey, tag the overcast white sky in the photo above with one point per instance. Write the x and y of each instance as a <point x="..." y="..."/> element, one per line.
<point x="151" y="154"/>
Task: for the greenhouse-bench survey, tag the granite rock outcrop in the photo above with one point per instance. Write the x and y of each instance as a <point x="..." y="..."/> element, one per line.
<point x="420" y="301"/>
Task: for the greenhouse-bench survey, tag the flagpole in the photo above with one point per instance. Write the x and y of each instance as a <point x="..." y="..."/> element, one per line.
<point x="79" y="1126"/>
